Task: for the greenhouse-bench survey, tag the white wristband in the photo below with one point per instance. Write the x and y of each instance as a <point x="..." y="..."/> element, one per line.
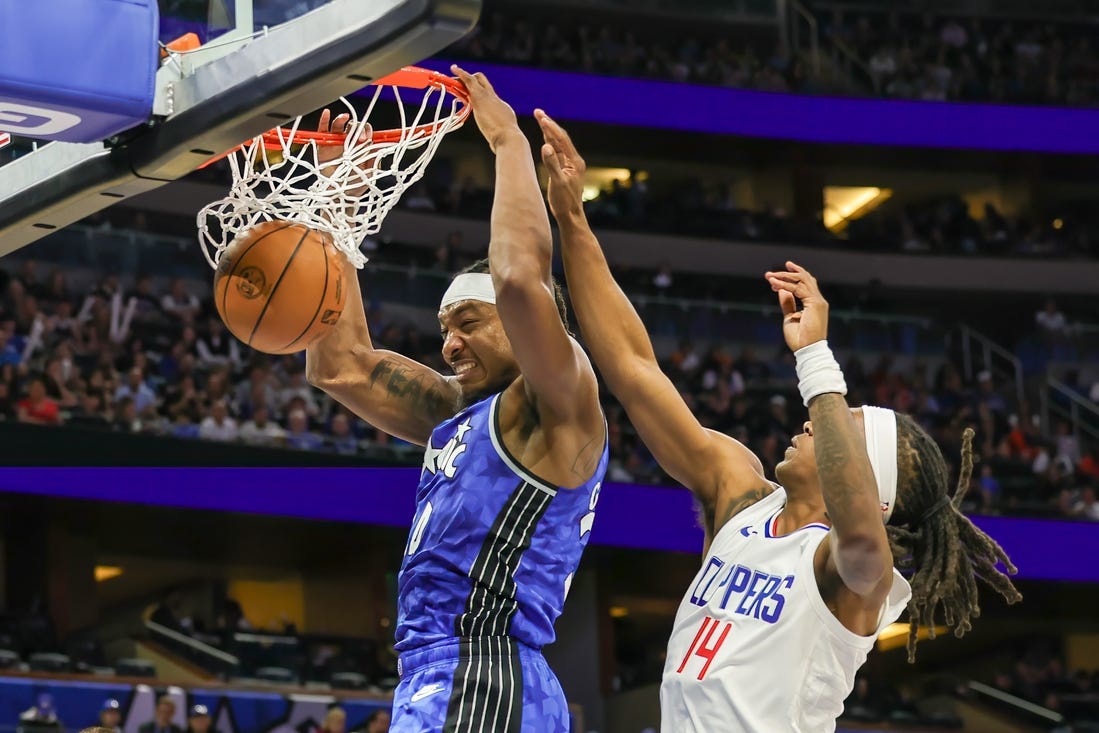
<point x="818" y="372"/>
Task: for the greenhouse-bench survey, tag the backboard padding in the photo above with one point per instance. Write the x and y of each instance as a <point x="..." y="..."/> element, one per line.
<point x="294" y="69"/>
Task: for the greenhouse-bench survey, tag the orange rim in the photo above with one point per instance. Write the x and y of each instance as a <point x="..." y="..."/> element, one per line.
<point x="410" y="77"/>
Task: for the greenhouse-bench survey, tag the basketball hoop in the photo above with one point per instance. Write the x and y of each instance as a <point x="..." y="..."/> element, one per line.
<point x="277" y="175"/>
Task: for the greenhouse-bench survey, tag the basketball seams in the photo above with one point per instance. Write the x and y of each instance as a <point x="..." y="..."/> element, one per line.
<point x="240" y="258"/>
<point x="320" y="302"/>
<point x="275" y="287"/>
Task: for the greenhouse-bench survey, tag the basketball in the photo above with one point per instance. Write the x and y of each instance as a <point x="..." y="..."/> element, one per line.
<point x="279" y="286"/>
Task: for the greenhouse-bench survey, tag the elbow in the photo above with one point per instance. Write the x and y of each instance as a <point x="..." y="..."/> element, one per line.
<point x="863" y="561"/>
<point x="629" y="373"/>
<point x="519" y="280"/>
<point x="315" y="379"/>
<point x="319" y="372"/>
<point x="515" y="255"/>
<point x="313" y="373"/>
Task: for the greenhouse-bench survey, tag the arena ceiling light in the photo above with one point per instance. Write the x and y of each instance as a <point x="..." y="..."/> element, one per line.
<point x="895" y="635"/>
<point x="843" y="204"/>
<point x="106" y="572"/>
<point x="597" y="180"/>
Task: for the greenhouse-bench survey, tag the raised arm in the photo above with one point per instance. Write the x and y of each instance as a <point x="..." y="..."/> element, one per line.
<point x="724" y="474"/>
<point x="557" y="376"/>
<point x="858" y="546"/>
<point x="390" y="391"/>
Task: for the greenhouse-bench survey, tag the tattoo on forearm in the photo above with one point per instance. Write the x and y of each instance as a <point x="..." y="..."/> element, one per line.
<point x="409" y="385"/>
<point x="837" y="446"/>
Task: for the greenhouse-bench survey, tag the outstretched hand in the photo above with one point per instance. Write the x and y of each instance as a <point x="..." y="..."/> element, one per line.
<point x="342" y="123"/>
<point x="565" y="166"/>
<point x="495" y="117"/>
<point x="805" y="326"/>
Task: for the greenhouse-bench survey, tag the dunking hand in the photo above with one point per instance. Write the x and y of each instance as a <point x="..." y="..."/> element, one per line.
<point x="342" y="123"/>
<point x="328" y="153"/>
<point x="495" y="118"/>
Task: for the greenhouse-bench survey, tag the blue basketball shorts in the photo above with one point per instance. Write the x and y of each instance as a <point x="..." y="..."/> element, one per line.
<point x="488" y="684"/>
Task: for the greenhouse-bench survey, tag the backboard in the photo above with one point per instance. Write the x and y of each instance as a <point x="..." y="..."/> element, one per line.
<point x="263" y="63"/>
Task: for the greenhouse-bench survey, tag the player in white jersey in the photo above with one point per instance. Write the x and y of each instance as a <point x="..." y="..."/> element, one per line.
<point x="798" y="579"/>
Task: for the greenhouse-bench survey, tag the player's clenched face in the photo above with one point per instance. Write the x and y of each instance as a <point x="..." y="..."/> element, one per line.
<point x="476" y="348"/>
<point x="799" y="465"/>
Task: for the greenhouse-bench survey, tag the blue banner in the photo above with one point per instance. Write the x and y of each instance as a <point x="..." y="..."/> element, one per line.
<point x="628" y="515"/>
<point x="693" y="108"/>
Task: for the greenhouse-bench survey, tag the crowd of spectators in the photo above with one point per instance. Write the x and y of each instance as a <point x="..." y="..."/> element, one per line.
<point x="711" y="209"/>
<point x="143" y="360"/>
<point x="923" y="56"/>
<point x="1040" y="674"/>
<point x="945" y="225"/>
<point x="874" y="700"/>
<point x="157" y="360"/>
<point x="623" y="50"/>
<point x="754" y="399"/>
<point x="687" y="207"/>
<point x="901" y="54"/>
<point x="43" y="717"/>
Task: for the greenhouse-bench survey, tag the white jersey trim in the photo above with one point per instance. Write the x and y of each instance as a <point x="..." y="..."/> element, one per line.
<point x="899" y="594"/>
<point x="776" y="497"/>
<point x="516" y="468"/>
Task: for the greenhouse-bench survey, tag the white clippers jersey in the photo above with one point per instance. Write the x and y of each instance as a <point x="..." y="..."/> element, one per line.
<point x="754" y="647"/>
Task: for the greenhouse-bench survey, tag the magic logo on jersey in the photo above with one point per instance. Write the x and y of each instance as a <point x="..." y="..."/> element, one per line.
<point x="445" y="460"/>
<point x="741" y="590"/>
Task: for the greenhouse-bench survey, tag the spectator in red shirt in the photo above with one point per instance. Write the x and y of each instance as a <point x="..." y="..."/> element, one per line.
<point x="1089" y="465"/>
<point x="36" y="407"/>
<point x="1020" y="439"/>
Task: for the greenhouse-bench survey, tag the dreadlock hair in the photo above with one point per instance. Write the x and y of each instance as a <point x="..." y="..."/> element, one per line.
<point x="935" y="543"/>
<point x="481" y="266"/>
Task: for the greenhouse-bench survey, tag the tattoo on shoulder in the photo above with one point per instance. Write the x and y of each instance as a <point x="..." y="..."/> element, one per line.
<point x="409" y="384"/>
<point x="741" y="502"/>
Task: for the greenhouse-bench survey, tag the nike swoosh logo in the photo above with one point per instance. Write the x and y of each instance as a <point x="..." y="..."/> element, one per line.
<point x="428" y="691"/>
<point x="747" y="531"/>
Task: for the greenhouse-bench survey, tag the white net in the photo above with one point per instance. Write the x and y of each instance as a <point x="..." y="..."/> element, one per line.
<point x="347" y="196"/>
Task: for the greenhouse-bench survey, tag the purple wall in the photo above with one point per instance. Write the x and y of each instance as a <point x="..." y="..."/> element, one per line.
<point x="629" y="516"/>
<point x="816" y="119"/>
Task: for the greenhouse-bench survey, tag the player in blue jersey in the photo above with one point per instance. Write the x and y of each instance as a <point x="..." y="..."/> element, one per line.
<point x="799" y="578"/>
<point x="515" y="449"/>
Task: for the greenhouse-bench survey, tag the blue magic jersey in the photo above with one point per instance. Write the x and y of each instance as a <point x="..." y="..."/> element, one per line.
<point x="493" y="548"/>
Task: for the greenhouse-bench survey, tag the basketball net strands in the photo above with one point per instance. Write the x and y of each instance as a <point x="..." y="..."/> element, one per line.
<point x="203" y="110"/>
<point x="280" y="175"/>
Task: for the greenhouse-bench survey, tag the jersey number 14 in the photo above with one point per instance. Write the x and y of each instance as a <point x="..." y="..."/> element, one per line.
<point x="701" y="647"/>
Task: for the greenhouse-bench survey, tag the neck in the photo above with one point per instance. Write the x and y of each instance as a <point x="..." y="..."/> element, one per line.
<point x="473" y="397"/>
<point x="802" y="508"/>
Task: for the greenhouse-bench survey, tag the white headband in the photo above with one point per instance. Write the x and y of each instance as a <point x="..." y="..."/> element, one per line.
<point x="880" y="426"/>
<point x="469" y="286"/>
